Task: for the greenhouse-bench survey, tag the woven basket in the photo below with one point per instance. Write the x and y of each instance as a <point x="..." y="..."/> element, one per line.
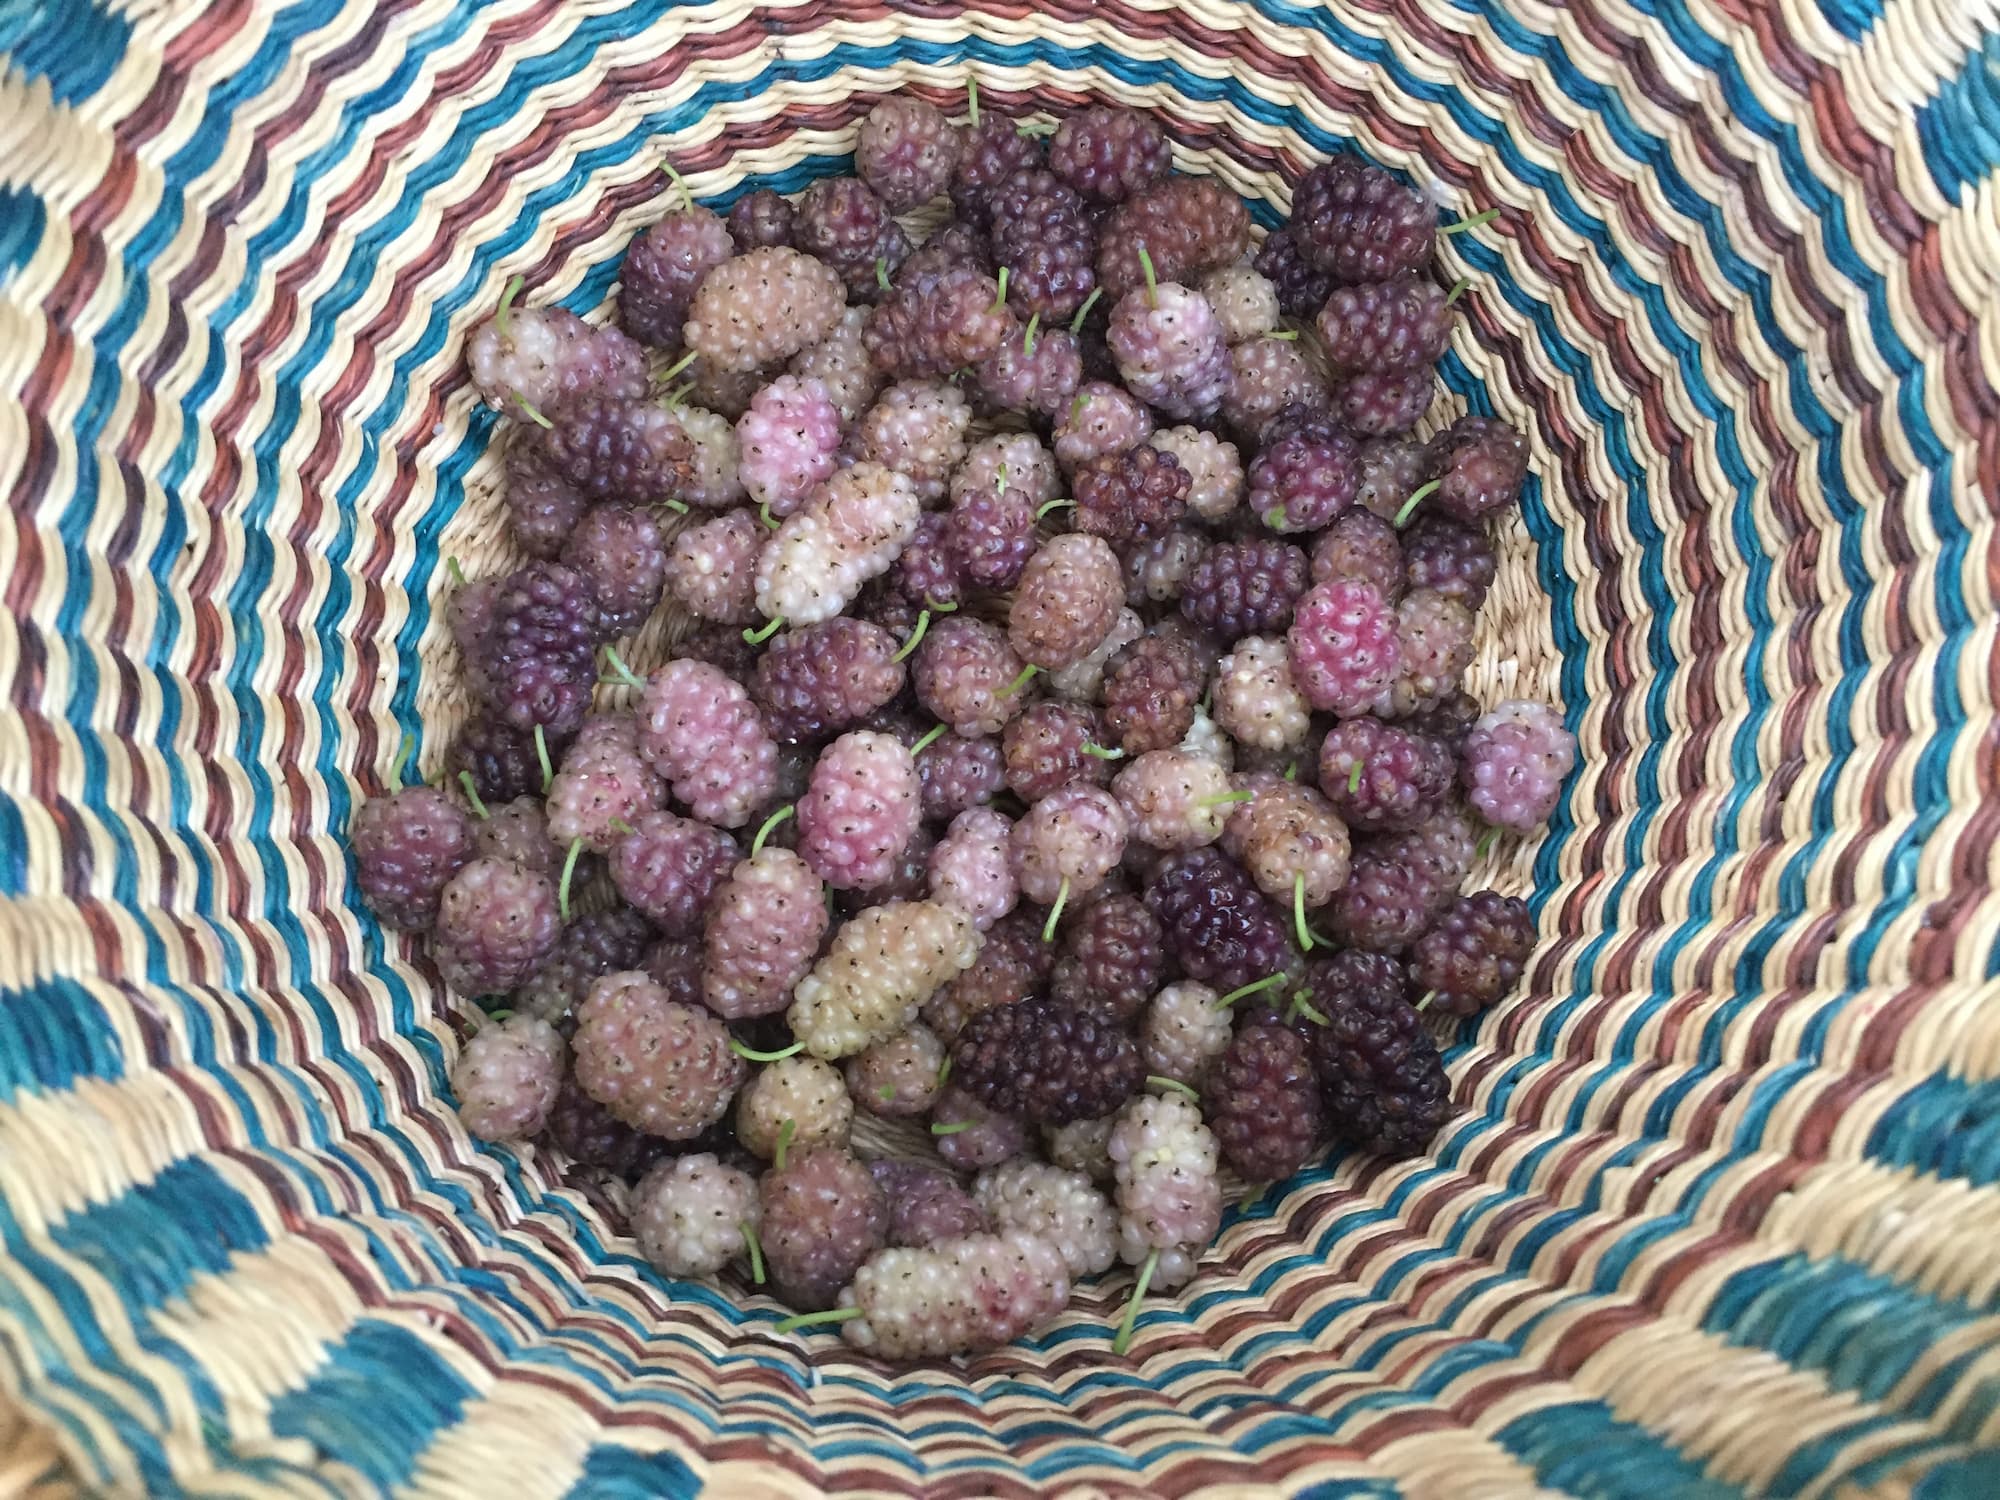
<point x="1716" y="1214"/>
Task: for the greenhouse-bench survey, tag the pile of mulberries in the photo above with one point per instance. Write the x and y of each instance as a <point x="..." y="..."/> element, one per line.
<point x="1010" y="689"/>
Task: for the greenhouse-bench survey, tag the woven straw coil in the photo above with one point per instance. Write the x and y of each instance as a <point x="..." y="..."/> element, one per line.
<point x="1717" y="1213"/>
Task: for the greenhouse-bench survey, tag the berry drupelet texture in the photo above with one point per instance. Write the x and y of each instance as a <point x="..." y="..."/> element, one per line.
<point x="1183" y="1031"/>
<point x="1048" y="747"/>
<point x="1301" y="481"/>
<point x="803" y="1093"/>
<point x="406" y="847"/>
<point x="906" y="152"/>
<point x="898" y="1076"/>
<point x="819" y="680"/>
<point x="929" y="326"/>
<point x="1167" y="1194"/>
<point x="1056" y="1205"/>
<point x="882" y="965"/>
<point x="760" y="308"/>
<point x="1479" y="465"/>
<point x="964" y="671"/>
<point x="917" y="428"/>
<point x="1068" y="595"/>
<point x="507" y="1076"/>
<point x="668" y="868"/>
<point x="701" y="732"/>
<point x="1384" y="404"/>
<point x="710" y="568"/>
<point x="994" y="150"/>
<point x="1513" y="764"/>
<point x="1174" y="799"/>
<point x="787" y="442"/>
<point x="662" y="269"/>
<point x="959" y="772"/>
<point x="1356" y="223"/>
<point x="762" y="219"/>
<point x="847" y="227"/>
<point x="1014" y="962"/>
<point x="860" y="810"/>
<point x="823" y="1215"/>
<point x="595" y="944"/>
<point x="1114" y="956"/>
<point x="1263" y="1103"/>
<point x="496" y="924"/>
<point x="1067" y="843"/>
<point x="1474" y="952"/>
<point x="691" y="1214"/>
<point x="658" y="1065"/>
<point x="1450" y="559"/>
<point x="1245" y="588"/>
<point x="1140" y="492"/>
<point x="1385" y="327"/>
<point x="1218" y="925"/>
<point x="1151" y="689"/>
<point x="1256" y="702"/>
<point x="1214" y="467"/>
<point x="1382" y="1083"/>
<point x="850" y="529"/>
<point x="1107" y="153"/>
<point x="764" y="926"/>
<point x="1344" y="647"/>
<point x="1171" y="349"/>
<point x="955" y="1297"/>
<point x="972" y="868"/>
<point x="1102" y="419"/>
<point x="1302" y="288"/>
<point x="1046" y="1061"/>
<point x="1360" y="545"/>
<point x="971" y="1135"/>
<point x="1384" y="777"/>
<point x="927" y="1206"/>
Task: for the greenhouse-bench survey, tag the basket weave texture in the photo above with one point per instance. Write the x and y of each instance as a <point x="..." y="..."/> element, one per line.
<point x="1717" y="1212"/>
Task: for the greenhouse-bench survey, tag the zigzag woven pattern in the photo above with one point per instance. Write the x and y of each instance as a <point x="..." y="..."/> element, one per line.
<point x="1716" y="1214"/>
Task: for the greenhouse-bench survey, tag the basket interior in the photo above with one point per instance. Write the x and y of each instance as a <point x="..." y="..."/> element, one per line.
<point x="1715" y="1214"/>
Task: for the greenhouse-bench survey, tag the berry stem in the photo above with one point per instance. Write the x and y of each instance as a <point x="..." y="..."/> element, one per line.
<point x="764" y="514"/>
<point x="687" y="194"/>
<point x="916" y="637"/>
<point x="758" y="637"/>
<point x="751" y="1054"/>
<point x="620" y="826"/>
<point x="1486" y="842"/>
<point x="1152" y="281"/>
<point x="457" y="573"/>
<point x="1299" y="911"/>
<point x="678" y="507"/>
<point x="677" y="395"/>
<point x="1354" y="777"/>
<point x="952" y="1128"/>
<point x="533" y="416"/>
<point x="542" y="754"/>
<point x="1076" y="407"/>
<point x="756" y="1250"/>
<point x="667" y="375"/>
<point x="1410" y="505"/>
<point x="472" y="795"/>
<point x="944" y="1070"/>
<point x="1475" y="222"/>
<point x="1432" y="995"/>
<point x="1286" y="335"/>
<point x="882" y="273"/>
<point x="1101" y="753"/>
<point x="816" y="1319"/>
<point x="785" y="1133"/>
<point x="1028" y="339"/>
<point x="404" y="748"/>
<point x="1055" y="912"/>
<point x="929" y="739"/>
<point x="1123" y="1341"/>
<point x="1019" y="682"/>
<point x="757" y="844"/>
<point x="1458" y="290"/>
<point x="1292" y="771"/>
<point x="619" y="671"/>
<point x="1221" y="798"/>
<point x="1043" y="512"/>
<point x="1301" y="1006"/>
<point x="1001" y="300"/>
<point x="1256" y="987"/>
<point x="972" y="101"/>
<point x="569" y="871"/>
<point x="886" y="1093"/>
<point x="1176" y="1085"/>
<point x="503" y="314"/>
<point x="1076" y="323"/>
<point x="1000" y="474"/>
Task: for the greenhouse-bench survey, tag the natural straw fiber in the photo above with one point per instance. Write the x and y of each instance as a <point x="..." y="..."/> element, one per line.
<point x="1718" y="1212"/>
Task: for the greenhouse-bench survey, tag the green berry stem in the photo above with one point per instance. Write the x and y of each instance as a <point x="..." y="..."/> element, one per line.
<point x="757" y="844"/>
<point x="542" y="754"/>
<point x="1152" y="282"/>
<point x="1001" y="300"/>
<point x="1458" y="290"/>
<point x="533" y="416"/>
<point x="1486" y="842"/>
<point x="756" y="1250"/>
<point x="1222" y="798"/>
<point x="569" y="872"/>
<point x="457" y="573"/>
<point x="619" y="825"/>
<point x="1286" y="335"/>
<point x="916" y="637"/>
<point x="472" y="795"/>
<point x="815" y="1319"/>
<point x="687" y="193"/>
<point x="882" y="273"/>
<point x="1292" y="771"/>
<point x="678" y="507"/>
<point x="1043" y="512"/>
<point x="1019" y="682"/>
<point x="1301" y="1006"/>
<point x="764" y="515"/>
<point x="503" y="314"/>
<point x="1076" y="407"/>
<point x="758" y="637"/>
<point x="503" y="1014"/>
<point x="1427" y="999"/>
<point x="1055" y="912"/>
<point x="953" y="1128"/>
<point x="1299" y="911"/>
<point x="785" y="1133"/>
<point x="1477" y="221"/>
<point x="886" y="1093"/>
<point x="972" y="101"/>
<point x="1000" y="474"/>
<point x="1256" y="987"/>
<point x="1354" y="777"/>
<point x="1410" y="505"/>
<point x="930" y="738"/>
<point x="1076" y="323"/>
<point x="677" y="395"/>
<point x="667" y="375"/>
<point x="1102" y="753"/>
<point x="1176" y="1085"/>
<point x="1028" y="340"/>
<point x="751" y="1054"/>
<point x="944" y="1070"/>
<point x="619" y="671"/>
<point x="404" y="748"/>
<point x="1123" y="1340"/>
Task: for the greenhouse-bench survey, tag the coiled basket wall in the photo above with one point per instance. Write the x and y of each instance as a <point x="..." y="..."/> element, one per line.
<point x="1717" y="1214"/>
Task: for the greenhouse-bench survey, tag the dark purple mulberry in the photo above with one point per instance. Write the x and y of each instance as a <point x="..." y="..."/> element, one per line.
<point x="1047" y="1061"/>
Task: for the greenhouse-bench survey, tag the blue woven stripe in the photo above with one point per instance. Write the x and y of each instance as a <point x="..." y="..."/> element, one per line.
<point x="1580" y="1450"/>
<point x="1960" y="128"/>
<point x="382" y="1397"/>
<point x="74" y="46"/>
<point x="1945" y="1125"/>
<point x="620" y="1474"/>
<point x="51" y="1035"/>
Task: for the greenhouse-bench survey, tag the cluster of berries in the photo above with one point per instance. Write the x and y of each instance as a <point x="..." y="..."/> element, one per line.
<point x="1068" y="752"/>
